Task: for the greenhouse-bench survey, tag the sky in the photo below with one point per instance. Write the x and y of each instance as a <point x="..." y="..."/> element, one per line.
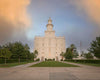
<point x="76" y="20"/>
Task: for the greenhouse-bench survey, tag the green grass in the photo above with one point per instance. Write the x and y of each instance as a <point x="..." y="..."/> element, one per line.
<point x="90" y="64"/>
<point x="13" y="64"/>
<point x="53" y="64"/>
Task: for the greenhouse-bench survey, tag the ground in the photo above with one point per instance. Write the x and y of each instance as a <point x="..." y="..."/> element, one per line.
<point x="23" y="72"/>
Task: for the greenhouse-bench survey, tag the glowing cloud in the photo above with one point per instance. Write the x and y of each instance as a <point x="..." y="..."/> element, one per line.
<point x="13" y="17"/>
<point x="91" y="8"/>
<point x="15" y="11"/>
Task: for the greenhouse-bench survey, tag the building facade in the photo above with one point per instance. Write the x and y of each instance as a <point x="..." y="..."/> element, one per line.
<point x="49" y="46"/>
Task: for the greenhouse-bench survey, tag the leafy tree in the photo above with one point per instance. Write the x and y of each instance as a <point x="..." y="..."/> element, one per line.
<point x="75" y="53"/>
<point x="35" y="53"/>
<point x="26" y="51"/>
<point x="72" y="47"/>
<point x="62" y="55"/>
<point x="18" y="50"/>
<point x="88" y="56"/>
<point x="5" y="53"/>
<point x="68" y="54"/>
<point x="95" y="47"/>
<point x="83" y="54"/>
<point x="32" y="56"/>
<point x="74" y="50"/>
<point x="71" y="52"/>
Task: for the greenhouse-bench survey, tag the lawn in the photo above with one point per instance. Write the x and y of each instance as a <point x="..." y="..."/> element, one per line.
<point x="12" y="64"/>
<point x="53" y="64"/>
<point x="90" y="64"/>
<point x="87" y="62"/>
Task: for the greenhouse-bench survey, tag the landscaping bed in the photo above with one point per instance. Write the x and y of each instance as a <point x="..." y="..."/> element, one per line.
<point x="53" y="64"/>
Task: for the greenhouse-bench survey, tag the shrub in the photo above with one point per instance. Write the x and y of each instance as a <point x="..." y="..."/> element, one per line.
<point x="37" y="59"/>
<point x="2" y="61"/>
<point x="85" y="61"/>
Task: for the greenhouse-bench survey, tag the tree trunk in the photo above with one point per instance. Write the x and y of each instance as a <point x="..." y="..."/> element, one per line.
<point x="19" y="59"/>
<point x="5" y="60"/>
<point x="26" y="59"/>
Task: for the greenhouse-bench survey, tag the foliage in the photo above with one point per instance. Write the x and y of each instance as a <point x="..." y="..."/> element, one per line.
<point x="37" y="59"/>
<point x="62" y="55"/>
<point x="88" y="56"/>
<point x="71" y="52"/>
<point x="32" y="56"/>
<point x="35" y="53"/>
<point x="68" y="54"/>
<point x="49" y="59"/>
<point x="5" y="53"/>
<point x="95" y="47"/>
<point x="19" y="51"/>
<point x="86" y="61"/>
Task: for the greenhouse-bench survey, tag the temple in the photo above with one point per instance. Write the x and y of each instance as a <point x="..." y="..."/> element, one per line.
<point x="49" y="46"/>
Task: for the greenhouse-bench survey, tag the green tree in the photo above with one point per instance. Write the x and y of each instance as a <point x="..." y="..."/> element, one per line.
<point x="71" y="52"/>
<point x="68" y="54"/>
<point x="32" y="56"/>
<point x="35" y="53"/>
<point x="95" y="47"/>
<point x="88" y="56"/>
<point x="72" y="47"/>
<point x="5" y="53"/>
<point x="83" y="54"/>
<point x="74" y="50"/>
<point x="26" y="51"/>
<point x="18" y="50"/>
<point x="75" y="54"/>
<point x="10" y="46"/>
<point x="62" y="55"/>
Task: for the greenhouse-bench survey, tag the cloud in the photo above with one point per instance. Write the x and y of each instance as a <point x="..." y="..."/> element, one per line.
<point x="14" y="19"/>
<point x="91" y="9"/>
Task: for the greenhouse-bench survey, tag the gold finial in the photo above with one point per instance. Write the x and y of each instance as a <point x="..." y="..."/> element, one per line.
<point x="50" y="21"/>
<point x="49" y="18"/>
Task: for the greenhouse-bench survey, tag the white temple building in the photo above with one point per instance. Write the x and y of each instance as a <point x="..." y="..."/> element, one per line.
<point x="49" y="46"/>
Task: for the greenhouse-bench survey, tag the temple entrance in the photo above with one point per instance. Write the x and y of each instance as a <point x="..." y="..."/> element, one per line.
<point x="42" y="58"/>
<point x="56" y="58"/>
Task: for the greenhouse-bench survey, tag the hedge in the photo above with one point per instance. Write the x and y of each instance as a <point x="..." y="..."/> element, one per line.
<point x="85" y="61"/>
<point x="13" y="60"/>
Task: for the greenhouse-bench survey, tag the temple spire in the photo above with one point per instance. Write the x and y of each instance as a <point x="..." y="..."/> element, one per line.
<point x="49" y="25"/>
<point x="49" y="21"/>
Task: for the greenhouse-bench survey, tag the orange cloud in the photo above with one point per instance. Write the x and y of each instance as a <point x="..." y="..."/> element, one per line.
<point x="91" y="8"/>
<point x="14" y="19"/>
<point x="15" y="11"/>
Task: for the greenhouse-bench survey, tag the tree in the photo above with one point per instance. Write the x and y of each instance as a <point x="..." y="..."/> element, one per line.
<point x="88" y="55"/>
<point x="95" y="47"/>
<point x="72" y="47"/>
<point x="18" y="50"/>
<point x="75" y="55"/>
<point x="26" y="51"/>
<point x="71" y="52"/>
<point x="68" y="54"/>
<point x="5" y="53"/>
<point x="62" y="55"/>
<point x="83" y="53"/>
<point x="32" y="56"/>
<point x="74" y="50"/>
<point x="35" y="53"/>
